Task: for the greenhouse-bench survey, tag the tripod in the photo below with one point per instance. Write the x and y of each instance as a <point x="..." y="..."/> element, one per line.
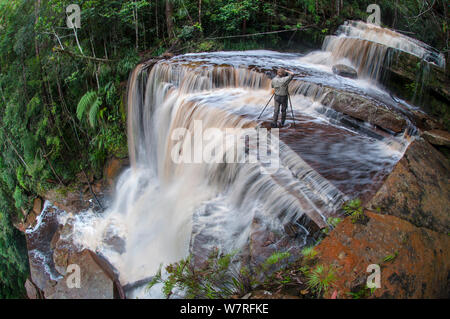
<point x="289" y="102"/>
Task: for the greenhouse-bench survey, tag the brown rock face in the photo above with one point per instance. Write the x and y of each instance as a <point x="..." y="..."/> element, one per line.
<point x="365" y="110"/>
<point x="94" y="282"/>
<point x="51" y="250"/>
<point x="72" y="201"/>
<point x="419" y="263"/>
<point x="424" y="121"/>
<point x="264" y="242"/>
<point x="32" y="290"/>
<point x="30" y="218"/>
<point x="344" y="70"/>
<point x="64" y="251"/>
<point x="98" y="272"/>
<point x="406" y="69"/>
<point x="86" y="192"/>
<point x="40" y="253"/>
<point x="418" y="189"/>
<point x="112" y="169"/>
<point x="167" y="55"/>
<point x="37" y="206"/>
<point x="437" y="137"/>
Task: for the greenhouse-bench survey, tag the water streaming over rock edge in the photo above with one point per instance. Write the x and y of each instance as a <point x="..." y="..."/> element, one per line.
<point x="366" y="47"/>
<point x="161" y="208"/>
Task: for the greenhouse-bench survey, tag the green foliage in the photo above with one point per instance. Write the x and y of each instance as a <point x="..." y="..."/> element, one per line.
<point x="217" y="277"/>
<point x="21" y="179"/>
<point x="127" y="63"/>
<point x="43" y="92"/>
<point x="332" y="223"/>
<point x="309" y="253"/>
<point x="19" y="197"/>
<point x="362" y="293"/>
<point x="276" y="258"/>
<point x="93" y="111"/>
<point x="13" y="261"/>
<point x="211" y="280"/>
<point x="90" y="104"/>
<point x="188" y="32"/>
<point x="234" y="12"/>
<point x="86" y="101"/>
<point x="320" y="279"/>
<point x="391" y="257"/>
<point x="206" y="46"/>
<point x="355" y="211"/>
<point x="112" y="141"/>
<point x="411" y="87"/>
<point x="32" y="106"/>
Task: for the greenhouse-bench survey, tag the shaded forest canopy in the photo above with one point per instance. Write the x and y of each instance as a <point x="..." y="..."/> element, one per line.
<point x="62" y="90"/>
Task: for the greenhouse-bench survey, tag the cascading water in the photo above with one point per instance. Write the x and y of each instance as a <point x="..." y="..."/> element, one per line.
<point x="365" y="47"/>
<point x="163" y="209"/>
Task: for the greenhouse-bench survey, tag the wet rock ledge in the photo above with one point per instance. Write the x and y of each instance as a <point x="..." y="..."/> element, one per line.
<point x="407" y="233"/>
<point x="51" y="249"/>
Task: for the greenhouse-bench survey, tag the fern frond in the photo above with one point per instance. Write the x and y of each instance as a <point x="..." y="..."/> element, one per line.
<point x="93" y="112"/>
<point x="86" y="102"/>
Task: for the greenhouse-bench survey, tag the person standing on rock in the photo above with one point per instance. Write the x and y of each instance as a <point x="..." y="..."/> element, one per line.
<point x="280" y="85"/>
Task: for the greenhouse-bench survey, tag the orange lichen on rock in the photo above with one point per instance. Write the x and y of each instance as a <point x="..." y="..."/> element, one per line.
<point x="414" y="261"/>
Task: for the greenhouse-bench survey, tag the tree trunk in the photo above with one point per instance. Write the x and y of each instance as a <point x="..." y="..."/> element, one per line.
<point x="136" y="21"/>
<point x="169" y="18"/>
<point x="156" y="20"/>
<point x="395" y="14"/>
<point x="200" y="12"/>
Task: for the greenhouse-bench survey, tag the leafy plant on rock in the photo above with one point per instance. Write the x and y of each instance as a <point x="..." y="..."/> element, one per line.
<point x="320" y="279"/>
<point x="354" y="209"/>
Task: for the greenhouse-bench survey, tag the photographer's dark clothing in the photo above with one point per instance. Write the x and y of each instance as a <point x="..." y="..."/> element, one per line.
<point x="280" y="84"/>
<point x="283" y="102"/>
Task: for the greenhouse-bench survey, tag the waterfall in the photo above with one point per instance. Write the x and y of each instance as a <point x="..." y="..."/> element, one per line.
<point x="177" y="96"/>
<point x="365" y="47"/>
<point x="181" y="197"/>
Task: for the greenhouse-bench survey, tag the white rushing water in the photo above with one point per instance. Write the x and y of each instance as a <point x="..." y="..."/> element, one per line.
<point x="160" y="206"/>
<point x="365" y="46"/>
